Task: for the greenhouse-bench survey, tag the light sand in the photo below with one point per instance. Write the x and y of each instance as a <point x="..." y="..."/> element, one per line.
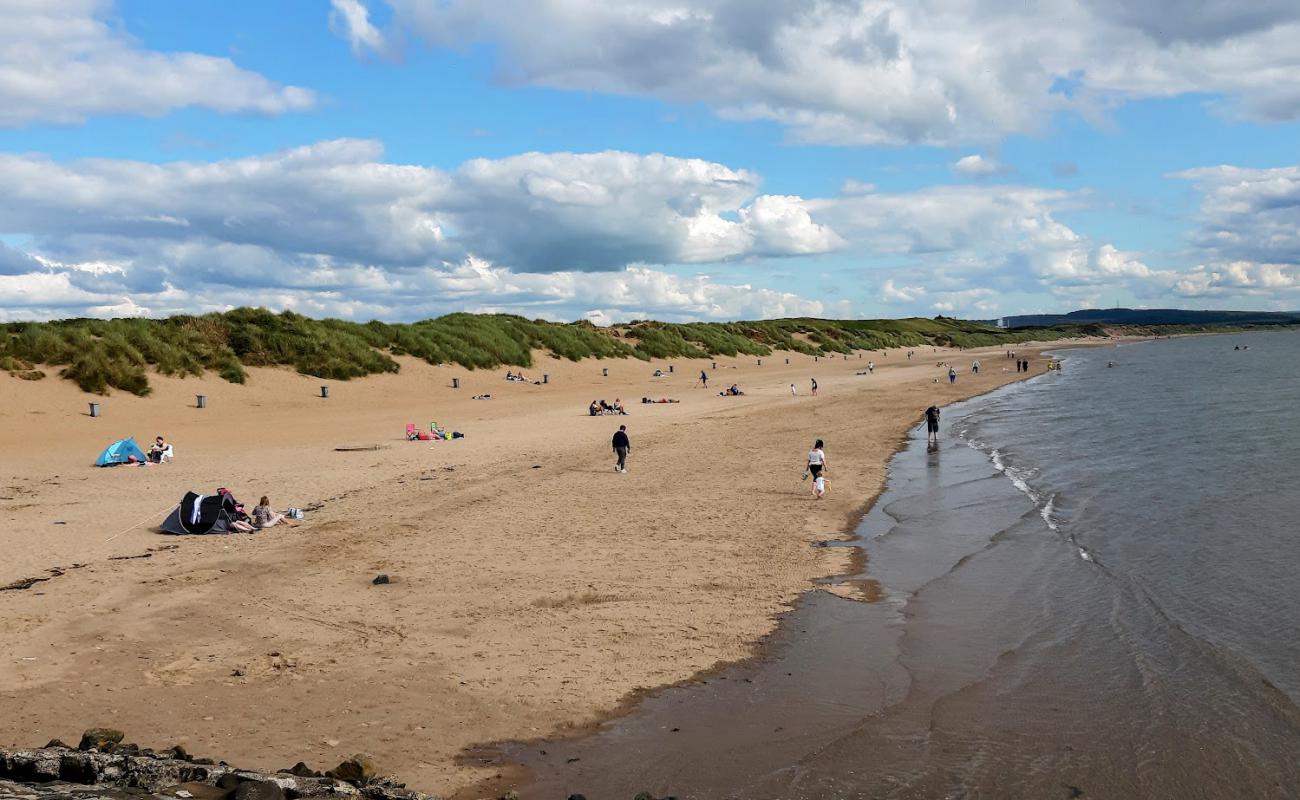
<point x="533" y="588"/>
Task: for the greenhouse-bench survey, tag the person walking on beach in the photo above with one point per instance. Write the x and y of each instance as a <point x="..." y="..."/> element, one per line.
<point x="704" y="379"/>
<point x="871" y="366"/>
<point x="952" y="374"/>
<point x="932" y="425"/>
<point x="817" y="469"/>
<point x="814" y="387"/>
<point x="793" y="391"/>
<point x="975" y="367"/>
<point x="622" y="446"/>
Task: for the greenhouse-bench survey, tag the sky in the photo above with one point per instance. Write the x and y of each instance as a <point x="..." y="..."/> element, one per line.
<point x="629" y="159"/>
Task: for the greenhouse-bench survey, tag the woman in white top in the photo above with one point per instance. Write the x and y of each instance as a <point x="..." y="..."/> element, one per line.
<point x="817" y="468"/>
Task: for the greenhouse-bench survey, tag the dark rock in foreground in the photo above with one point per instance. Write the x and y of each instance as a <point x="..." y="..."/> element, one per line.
<point x="105" y="769"/>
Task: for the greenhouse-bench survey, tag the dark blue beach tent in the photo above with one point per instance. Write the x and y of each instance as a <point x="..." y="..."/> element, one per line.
<point x="120" y="452"/>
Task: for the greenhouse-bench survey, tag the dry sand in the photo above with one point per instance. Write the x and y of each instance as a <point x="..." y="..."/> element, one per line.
<point x="534" y="589"/>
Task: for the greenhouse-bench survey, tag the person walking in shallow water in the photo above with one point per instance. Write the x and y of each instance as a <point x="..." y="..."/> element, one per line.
<point x="932" y="424"/>
<point x="622" y="446"/>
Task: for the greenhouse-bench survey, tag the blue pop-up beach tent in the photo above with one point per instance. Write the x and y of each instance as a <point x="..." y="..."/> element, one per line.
<point x="119" y="452"/>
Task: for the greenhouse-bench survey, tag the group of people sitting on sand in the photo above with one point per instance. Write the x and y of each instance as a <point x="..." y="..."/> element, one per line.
<point x="731" y="391"/>
<point x="519" y="376"/>
<point x="263" y="515"/>
<point x="599" y="407"/>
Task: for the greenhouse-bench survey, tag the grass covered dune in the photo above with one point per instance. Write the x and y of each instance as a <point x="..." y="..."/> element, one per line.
<point x="118" y="353"/>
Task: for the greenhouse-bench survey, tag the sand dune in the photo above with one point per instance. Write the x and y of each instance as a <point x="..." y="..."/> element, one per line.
<point x="533" y="588"/>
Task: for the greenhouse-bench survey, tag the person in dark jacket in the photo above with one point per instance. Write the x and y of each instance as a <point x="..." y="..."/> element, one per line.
<point x="622" y="446"/>
<point x="932" y="424"/>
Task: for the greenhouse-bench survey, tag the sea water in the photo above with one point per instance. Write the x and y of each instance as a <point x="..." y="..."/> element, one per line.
<point x="1088" y="588"/>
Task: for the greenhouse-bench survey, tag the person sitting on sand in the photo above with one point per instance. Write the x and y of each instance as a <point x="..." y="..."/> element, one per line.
<point x="618" y="407"/>
<point x="593" y="409"/>
<point x="264" y="517"/>
<point x="160" y="451"/>
<point x="510" y="375"/>
<point x="659" y="373"/>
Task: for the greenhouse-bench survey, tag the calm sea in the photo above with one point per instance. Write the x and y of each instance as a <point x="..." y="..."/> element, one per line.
<point x="1088" y="589"/>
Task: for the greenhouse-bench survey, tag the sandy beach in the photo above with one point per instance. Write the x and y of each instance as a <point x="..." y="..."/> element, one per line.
<point x="534" y="590"/>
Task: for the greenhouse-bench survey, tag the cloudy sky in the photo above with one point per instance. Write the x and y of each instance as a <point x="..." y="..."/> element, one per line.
<point x="676" y="159"/>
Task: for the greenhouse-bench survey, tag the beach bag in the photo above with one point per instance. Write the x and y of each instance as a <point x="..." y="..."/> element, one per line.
<point x="294" y="513"/>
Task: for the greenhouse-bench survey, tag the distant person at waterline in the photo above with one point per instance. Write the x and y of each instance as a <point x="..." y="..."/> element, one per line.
<point x="817" y="469"/>
<point x="932" y="424"/>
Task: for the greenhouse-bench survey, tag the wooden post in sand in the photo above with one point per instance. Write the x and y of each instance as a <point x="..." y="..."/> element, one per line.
<point x="455" y="383"/>
<point x="546" y="378"/>
<point x="760" y="362"/>
<point x="787" y="361"/>
<point x="715" y="365"/>
<point x="94" y="409"/>
<point x="200" y="401"/>
<point x="670" y="367"/>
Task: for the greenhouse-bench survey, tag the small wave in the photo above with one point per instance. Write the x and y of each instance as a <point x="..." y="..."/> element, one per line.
<point x="1048" y="516"/>
<point x="1084" y="554"/>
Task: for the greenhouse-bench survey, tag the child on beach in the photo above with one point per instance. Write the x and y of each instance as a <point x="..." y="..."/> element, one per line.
<point x="264" y="517"/>
<point x="817" y="468"/>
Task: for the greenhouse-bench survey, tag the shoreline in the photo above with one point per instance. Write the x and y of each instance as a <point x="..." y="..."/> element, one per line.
<point x="726" y="622"/>
<point x="513" y="776"/>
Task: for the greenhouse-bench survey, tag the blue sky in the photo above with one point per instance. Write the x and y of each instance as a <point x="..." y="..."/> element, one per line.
<point x="715" y="159"/>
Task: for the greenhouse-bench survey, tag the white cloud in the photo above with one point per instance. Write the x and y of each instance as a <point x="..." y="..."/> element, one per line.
<point x="889" y="292"/>
<point x="63" y="61"/>
<point x="886" y="71"/>
<point x="977" y="166"/>
<point x="1250" y="215"/>
<point x="330" y="228"/>
<point x="351" y="19"/>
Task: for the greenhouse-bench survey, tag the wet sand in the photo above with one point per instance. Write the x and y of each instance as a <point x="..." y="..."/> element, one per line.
<point x="534" y="590"/>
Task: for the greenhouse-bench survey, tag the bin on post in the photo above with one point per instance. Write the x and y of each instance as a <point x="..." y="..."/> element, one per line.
<point x="200" y="401"/>
<point x="455" y="383"/>
<point x="604" y="371"/>
<point x="715" y="365"/>
<point x="94" y="409"/>
<point x="546" y="378"/>
<point x="760" y="362"/>
<point x="787" y="361"/>
<point x="670" y="367"/>
<point x="324" y="391"/>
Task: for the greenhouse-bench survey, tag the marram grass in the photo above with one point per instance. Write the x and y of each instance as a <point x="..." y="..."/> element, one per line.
<point x="117" y="354"/>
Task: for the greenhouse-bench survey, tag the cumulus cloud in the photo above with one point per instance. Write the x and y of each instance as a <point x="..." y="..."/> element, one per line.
<point x="885" y="71"/>
<point x="1248" y="232"/>
<point x="534" y="212"/>
<point x="1248" y="215"/>
<point x="63" y="61"/>
<point x="332" y="228"/>
<point x="977" y="166"/>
